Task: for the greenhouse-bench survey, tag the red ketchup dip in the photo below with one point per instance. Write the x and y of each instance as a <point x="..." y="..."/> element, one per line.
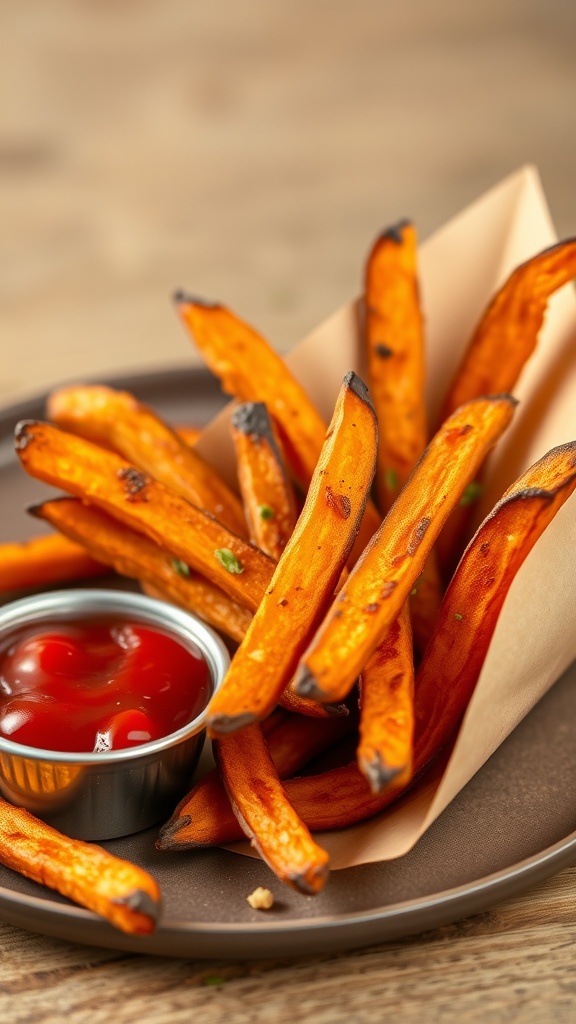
<point x="97" y="684"/>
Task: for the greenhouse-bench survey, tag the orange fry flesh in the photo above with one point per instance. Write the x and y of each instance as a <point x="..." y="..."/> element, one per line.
<point x="375" y="591"/>
<point x="387" y="708"/>
<point x="117" y="420"/>
<point x="309" y="569"/>
<point x="249" y="369"/>
<point x="396" y="378"/>
<point x="508" y="331"/>
<point x="205" y="817"/>
<point x="189" y="434"/>
<point x="103" y="478"/>
<point x="117" y="890"/>
<point x="45" y="560"/>
<point x="133" y="555"/>
<point x="469" y="612"/>
<point x="267" y="817"/>
<point x="395" y="351"/>
<point x="267" y="492"/>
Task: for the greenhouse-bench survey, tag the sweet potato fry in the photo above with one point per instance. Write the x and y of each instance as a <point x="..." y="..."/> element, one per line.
<point x="387" y="708"/>
<point x="249" y="369"/>
<point x="457" y="649"/>
<point x="44" y="560"/>
<point x="267" y="492"/>
<point x="133" y="555"/>
<point x="508" y="331"/>
<point x="396" y="378"/>
<point x="117" y="420"/>
<point x="103" y="478"/>
<point x="117" y="890"/>
<point x="395" y="351"/>
<point x="309" y="569"/>
<point x="205" y="815"/>
<point x="266" y="816"/>
<point x="375" y="591"/>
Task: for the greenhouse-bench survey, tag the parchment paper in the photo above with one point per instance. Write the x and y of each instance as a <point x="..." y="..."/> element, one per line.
<point x="535" y="639"/>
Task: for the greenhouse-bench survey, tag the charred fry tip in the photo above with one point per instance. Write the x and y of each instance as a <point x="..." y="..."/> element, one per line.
<point x="306" y="685"/>
<point x="310" y="881"/>
<point x="222" y="725"/>
<point x="23" y="434"/>
<point x="357" y="385"/>
<point x="501" y="396"/>
<point x="378" y="774"/>
<point x="140" y="902"/>
<point x="171" y="829"/>
<point x="394" y="233"/>
<point x="183" y="298"/>
<point x="252" y="418"/>
<point x="336" y="710"/>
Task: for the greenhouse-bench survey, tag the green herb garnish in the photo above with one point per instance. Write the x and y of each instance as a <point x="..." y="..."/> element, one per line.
<point x="213" y="979"/>
<point x="471" y="493"/>
<point x="391" y="479"/>
<point x="228" y="559"/>
<point x="180" y="567"/>
<point x="265" y="512"/>
<point x="458" y="617"/>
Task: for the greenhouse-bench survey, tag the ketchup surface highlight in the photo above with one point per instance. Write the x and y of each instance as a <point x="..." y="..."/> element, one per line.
<point x="97" y="685"/>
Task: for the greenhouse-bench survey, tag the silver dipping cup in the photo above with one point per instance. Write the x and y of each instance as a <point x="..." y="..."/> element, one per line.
<point x="116" y="792"/>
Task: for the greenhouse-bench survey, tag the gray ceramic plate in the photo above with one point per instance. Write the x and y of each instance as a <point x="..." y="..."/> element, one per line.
<point x="512" y="826"/>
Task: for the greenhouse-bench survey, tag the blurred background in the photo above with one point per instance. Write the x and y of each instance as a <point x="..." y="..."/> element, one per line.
<point x="248" y="151"/>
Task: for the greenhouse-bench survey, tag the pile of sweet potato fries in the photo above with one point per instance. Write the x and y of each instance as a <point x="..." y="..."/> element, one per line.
<point x="327" y="573"/>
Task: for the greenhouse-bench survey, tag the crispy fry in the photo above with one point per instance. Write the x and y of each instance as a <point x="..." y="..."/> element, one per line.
<point x="249" y="369"/>
<point x="395" y="350"/>
<point x="508" y="331"/>
<point x="309" y="569"/>
<point x="387" y="708"/>
<point x="375" y="591"/>
<point x="396" y="378"/>
<point x="101" y="477"/>
<point x="267" y="818"/>
<point x="205" y="815"/>
<point x="134" y="555"/>
<point x="117" y="420"/>
<point x="45" y="560"/>
<point x="452" y="662"/>
<point x="117" y="890"/>
<point x="267" y="492"/>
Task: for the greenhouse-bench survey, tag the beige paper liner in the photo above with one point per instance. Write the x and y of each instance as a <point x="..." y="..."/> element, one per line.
<point x="461" y="267"/>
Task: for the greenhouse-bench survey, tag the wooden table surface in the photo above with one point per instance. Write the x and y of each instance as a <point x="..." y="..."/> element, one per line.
<point x="250" y="152"/>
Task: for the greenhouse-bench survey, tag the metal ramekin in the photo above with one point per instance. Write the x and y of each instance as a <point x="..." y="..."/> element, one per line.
<point x="114" y="793"/>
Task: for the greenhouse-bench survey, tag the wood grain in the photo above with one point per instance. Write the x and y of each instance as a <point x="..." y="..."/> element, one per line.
<point x="515" y="962"/>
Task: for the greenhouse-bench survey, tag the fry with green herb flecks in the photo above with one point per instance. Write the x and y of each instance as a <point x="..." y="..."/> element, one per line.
<point x="117" y="420"/>
<point x="387" y="708"/>
<point x="396" y="378"/>
<point x="104" y="479"/>
<point x="375" y="591"/>
<point x="249" y="369"/>
<point x="309" y="569"/>
<point x="266" y="490"/>
<point x="121" y="892"/>
<point x="45" y="560"/>
<point x="136" y="556"/>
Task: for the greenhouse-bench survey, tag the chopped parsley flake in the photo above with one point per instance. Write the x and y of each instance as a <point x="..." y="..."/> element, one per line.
<point x="180" y="567"/>
<point x="391" y="479"/>
<point x="458" y="617"/>
<point x="265" y="512"/>
<point x="228" y="559"/>
<point x="471" y="493"/>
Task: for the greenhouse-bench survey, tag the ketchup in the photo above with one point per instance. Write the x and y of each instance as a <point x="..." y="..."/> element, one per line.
<point x="98" y="685"/>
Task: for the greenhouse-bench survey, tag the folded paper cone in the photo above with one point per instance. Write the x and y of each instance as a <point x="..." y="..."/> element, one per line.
<point x="461" y="267"/>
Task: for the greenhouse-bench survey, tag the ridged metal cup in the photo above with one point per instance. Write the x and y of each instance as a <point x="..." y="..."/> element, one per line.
<point x="116" y="792"/>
